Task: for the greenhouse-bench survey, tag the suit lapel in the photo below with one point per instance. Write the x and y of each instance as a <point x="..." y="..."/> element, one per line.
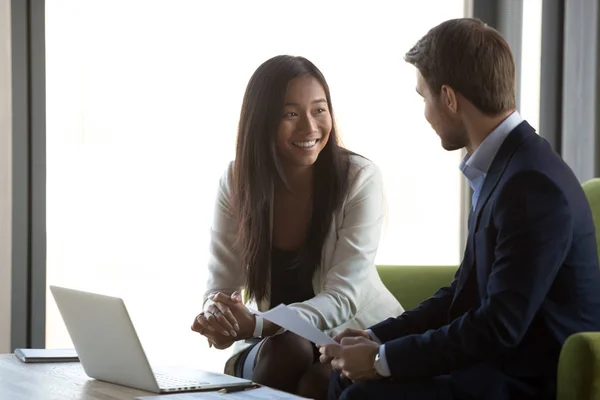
<point x="501" y="160"/>
<point x="512" y="141"/>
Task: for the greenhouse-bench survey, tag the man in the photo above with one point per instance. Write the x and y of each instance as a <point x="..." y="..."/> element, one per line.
<point x="529" y="276"/>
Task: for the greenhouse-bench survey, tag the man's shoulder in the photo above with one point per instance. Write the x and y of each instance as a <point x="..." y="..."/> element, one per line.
<point x="535" y="172"/>
<point x="535" y="159"/>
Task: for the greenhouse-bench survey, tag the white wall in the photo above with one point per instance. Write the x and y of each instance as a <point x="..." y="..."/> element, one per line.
<point x="5" y="176"/>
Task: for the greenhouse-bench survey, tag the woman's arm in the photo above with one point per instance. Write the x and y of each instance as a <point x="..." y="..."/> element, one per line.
<point x="354" y="254"/>
<point x="225" y="273"/>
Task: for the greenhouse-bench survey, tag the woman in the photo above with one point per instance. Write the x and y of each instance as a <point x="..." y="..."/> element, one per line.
<point x="297" y="221"/>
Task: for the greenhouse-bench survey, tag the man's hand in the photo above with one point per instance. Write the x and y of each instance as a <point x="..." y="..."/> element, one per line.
<point x="353" y="357"/>
<point x="351" y="333"/>
<point x="338" y="338"/>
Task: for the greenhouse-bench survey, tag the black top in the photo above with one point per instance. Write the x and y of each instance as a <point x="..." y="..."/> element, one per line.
<point x="291" y="282"/>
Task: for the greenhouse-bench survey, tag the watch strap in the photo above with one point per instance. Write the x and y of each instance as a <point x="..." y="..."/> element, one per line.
<point x="258" y="326"/>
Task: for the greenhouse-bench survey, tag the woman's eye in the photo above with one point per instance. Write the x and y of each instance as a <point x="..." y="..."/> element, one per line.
<point x="321" y="110"/>
<point x="291" y="114"/>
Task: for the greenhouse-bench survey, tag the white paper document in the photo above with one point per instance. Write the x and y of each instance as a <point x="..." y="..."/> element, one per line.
<point x="253" y="394"/>
<point x="289" y="319"/>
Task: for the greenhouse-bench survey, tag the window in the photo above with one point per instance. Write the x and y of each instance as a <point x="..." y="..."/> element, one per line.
<point x="143" y="99"/>
<point x="531" y="58"/>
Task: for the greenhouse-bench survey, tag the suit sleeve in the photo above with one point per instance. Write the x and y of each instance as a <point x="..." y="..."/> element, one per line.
<point x="533" y="231"/>
<point x="430" y="314"/>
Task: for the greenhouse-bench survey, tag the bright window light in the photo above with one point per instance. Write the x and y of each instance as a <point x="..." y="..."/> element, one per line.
<point x="143" y="99"/>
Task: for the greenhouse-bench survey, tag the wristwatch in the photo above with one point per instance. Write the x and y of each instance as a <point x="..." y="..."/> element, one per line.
<point x="377" y="365"/>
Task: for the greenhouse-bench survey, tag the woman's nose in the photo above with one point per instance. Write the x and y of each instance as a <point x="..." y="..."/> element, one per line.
<point x="309" y="124"/>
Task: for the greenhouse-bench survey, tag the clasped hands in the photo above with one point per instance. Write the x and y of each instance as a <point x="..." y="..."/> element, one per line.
<point x="353" y="355"/>
<point x="225" y="319"/>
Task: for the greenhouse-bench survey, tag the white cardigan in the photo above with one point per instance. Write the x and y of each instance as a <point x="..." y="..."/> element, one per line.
<point x="349" y="292"/>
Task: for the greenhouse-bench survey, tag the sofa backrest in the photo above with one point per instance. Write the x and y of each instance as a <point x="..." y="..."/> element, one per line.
<point x="592" y="192"/>
<point x="411" y="284"/>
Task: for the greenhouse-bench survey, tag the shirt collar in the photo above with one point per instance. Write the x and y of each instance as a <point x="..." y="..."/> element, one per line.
<point x="478" y="163"/>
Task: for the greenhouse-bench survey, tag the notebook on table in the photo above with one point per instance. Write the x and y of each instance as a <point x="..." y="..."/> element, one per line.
<point x="46" y="355"/>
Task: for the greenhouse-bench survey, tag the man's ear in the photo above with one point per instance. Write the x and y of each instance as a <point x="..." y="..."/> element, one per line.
<point x="448" y="97"/>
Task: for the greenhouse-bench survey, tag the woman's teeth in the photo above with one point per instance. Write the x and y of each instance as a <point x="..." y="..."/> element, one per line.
<point x="308" y="143"/>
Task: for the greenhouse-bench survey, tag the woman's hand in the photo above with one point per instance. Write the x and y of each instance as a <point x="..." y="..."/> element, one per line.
<point x="217" y="323"/>
<point x="215" y="339"/>
<point x="224" y="320"/>
<point x="218" y="316"/>
<point x="245" y="320"/>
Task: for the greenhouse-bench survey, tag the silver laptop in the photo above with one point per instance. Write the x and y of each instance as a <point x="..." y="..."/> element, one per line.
<point x="109" y="348"/>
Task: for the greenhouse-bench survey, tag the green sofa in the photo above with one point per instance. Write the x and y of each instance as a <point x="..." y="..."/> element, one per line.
<point x="413" y="284"/>
<point x="579" y="363"/>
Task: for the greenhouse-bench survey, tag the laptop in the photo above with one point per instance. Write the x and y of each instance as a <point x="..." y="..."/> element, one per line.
<point x="109" y="348"/>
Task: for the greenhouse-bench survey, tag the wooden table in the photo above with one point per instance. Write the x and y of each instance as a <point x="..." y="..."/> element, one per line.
<point x="56" y="381"/>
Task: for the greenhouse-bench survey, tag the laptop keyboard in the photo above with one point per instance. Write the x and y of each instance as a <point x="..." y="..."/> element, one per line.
<point x="171" y="381"/>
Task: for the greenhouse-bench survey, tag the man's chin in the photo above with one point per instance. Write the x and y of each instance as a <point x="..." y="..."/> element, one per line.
<point x="451" y="146"/>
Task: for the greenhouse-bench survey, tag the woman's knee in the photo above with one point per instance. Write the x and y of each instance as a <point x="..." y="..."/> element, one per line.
<point x="282" y="360"/>
<point x="315" y="381"/>
<point x="288" y="346"/>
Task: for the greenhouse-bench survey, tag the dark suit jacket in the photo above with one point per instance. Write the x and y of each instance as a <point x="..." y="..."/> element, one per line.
<point x="529" y="279"/>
